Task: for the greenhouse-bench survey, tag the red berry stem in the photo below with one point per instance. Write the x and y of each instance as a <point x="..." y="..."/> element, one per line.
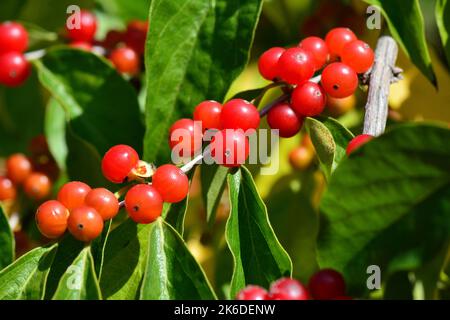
<point x="270" y="105"/>
<point x="272" y="85"/>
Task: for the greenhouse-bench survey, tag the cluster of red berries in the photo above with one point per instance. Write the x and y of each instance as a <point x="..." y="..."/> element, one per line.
<point x="14" y="67"/>
<point x="326" y="284"/>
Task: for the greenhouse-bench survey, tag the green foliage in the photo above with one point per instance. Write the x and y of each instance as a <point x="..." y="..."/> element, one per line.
<point x="6" y="241"/>
<point x="125" y="9"/>
<point x="213" y="178"/>
<point x="443" y="23"/>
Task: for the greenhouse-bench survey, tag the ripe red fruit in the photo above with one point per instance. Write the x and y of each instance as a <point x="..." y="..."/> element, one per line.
<point x="87" y="28"/>
<point x="327" y="284"/>
<point x="239" y="114"/>
<point x="13" y="37"/>
<point x="288" y="289"/>
<point x="82" y="45"/>
<point x="318" y="49"/>
<point x="14" y="69"/>
<point x="118" y="162"/>
<point x="308" y="99"/>
<point x="126" y="60"/>
<point x="171" y="182"/>
<point x="7" y="189"/>
<point x="357" y="142"/>
<point x="186" y="135"/>
<point x="208" y="112"/>
<point x="230" y="148"/>
<point x="252" y="292"/>
<point x="296" y="66"/>
<point x="73" y="194"/>
<point x="37" y="186"/>
<point x="337" y="38"/>
<point x="301" y="157"/>
<point x="358" y="55"/>
<point x="51" y="219"/>
<point x="143" y="203"/>
<point x="283" y="118"/>
<point x="104" y="202"/>
<point x="339" y="80"/>
<point x="85" y="224"/>
<point x="136" y="35"/>
<point x="18" y="168"/>
<point x="268" y="63"/>
<point x="113" y="37"/>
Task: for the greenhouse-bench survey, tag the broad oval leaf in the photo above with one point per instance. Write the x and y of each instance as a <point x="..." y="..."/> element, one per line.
<point x="259" y="258"/>
<point x="6" y="241"/>
<point x="125" y="9"/>
<point x="443" y="23"/>
<point x="213" y="178"/>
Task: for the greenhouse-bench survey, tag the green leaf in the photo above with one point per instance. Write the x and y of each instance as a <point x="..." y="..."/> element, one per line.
<point x="213" y="178"/>
<point x="26" y="277"/>
<point x="172" y="272"/>
<point x="55" y="132"/>
<point x="330" y="140"/>
<point x="6" y="241"/>
<point x="406" y="23"/>
<point x="127" y="10"/>
<point x="98" y="247"/>
<point x="443" y="23"/>
<point x="259" y="258"/>
<point x="388" y="204"/>
<point x="79" y="282"/>
<point x="186" y="62"/>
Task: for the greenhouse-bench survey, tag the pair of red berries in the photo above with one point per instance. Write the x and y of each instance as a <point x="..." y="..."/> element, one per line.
<point x="14" y="67"/>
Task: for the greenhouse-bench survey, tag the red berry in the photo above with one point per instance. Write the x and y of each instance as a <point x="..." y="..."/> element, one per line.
<point x="301" y="157"/>
<point x="308" y="99"/>
<point x="73" y="194"/>
<point x="143" y="203"/>
<point x="82" y="45"/>
<point x="252" y="292"/>
<point x="13" y="37"/>
<point x="136" y="35"/>
<point x="104" y="202"/>
<point x="230" y="148"/>
<point x="51" y="219"/>
<point x="14" y="69"/>
<point x="118" y="162"/>
<point x="339" y="80"/>
<point x="208" y="112"/>
<point x="358" y="55"/>
<point x="126" y="60"/>
<point x="186" y="135"/>
<point x="268" y="63"/>
<point x="87" y="28"/>
<point x="113" y="37"/>
<point x="327" y="284"/>
<point x="85" y="224"/>
<point x="7" y="189"/>
<point x="357" y="142"/>
<point x="283" y="118"/>
<point x="18" y="168"/>
<point x="296" y="66"/>
<point x="239" y="114"/>
<point x="318" y="49"/>
<point x="37" y="186"/>
<point x="288" y="289"/>
<point x="171" y="183"/>
<point x="337" y="38"/>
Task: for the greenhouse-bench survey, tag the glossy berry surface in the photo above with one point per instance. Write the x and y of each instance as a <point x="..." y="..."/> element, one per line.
<point x="87" y="28"/>
<point x="288" y="289"/>
<point x="126" y="60"/>
<point x="326" y="284"/>
<point x="136" y="34"/>
<point x="7" y="189"/>
<point x="337" y="38"/>
<point x="308" y="100"/>
<point x="268" y="63"/>
<point x="339" y="80"/>
<point x="208" y="112"/>
<point x="357" y="142"/>
<point x="14" y="69"/>
<point x="51" y="219"/>
<point x="143" y="203"/>
<point x="318" y="49"/>
<point x="171" y="183"/>
<point x="85" y="224"/>
<point x="186" y="136"/>
<point x="118" y="162"/>
<point x="283" y="118"/>
<point x="81" y="45"/>
<point x="37" y="186"/>
<point x="104" y="202"/>
<point x="72" y="194"/>
<point x="358" y="55"/>
<point x="252" y="292"/>
<point x="18" y="168"/>
<point x="230" y="148"/>
<point x="296" y="66"/>
<point x="13" y="37"/>
<point x="239" y="114"/>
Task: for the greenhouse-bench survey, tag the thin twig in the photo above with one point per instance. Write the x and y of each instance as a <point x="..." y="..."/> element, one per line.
<point x="269" y="106"/>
